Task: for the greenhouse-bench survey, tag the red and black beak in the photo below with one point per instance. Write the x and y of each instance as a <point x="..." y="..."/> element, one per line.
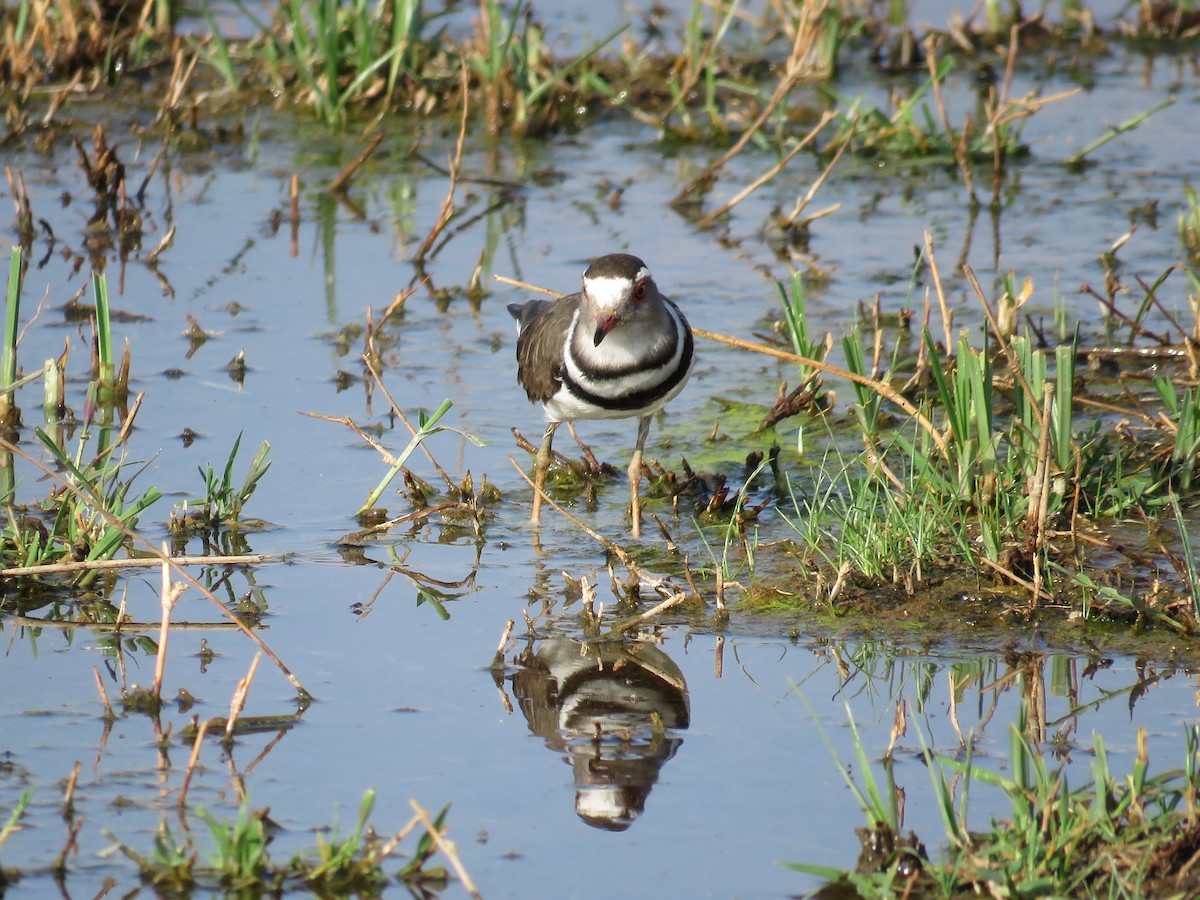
<point x="605" y="326"/>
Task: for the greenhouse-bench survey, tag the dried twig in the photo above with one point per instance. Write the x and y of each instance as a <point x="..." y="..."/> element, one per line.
<point x="108" y="710"/>
<point x="85" y="565"/>
<point x="447" y="848"/>
<point x="339" y="183"/>
<point x="794" y="70"/>
<point x="882" y="388"/>
<point x="826" y="118"/>
<point x="191" y="766"/>
<point x="238" y="703"/>
<point x="447" y="210"/>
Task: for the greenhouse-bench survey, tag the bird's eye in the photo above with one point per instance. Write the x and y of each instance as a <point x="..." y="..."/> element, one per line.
<point x="639" y="292"/>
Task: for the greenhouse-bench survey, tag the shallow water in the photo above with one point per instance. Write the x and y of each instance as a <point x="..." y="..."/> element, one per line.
<point x="405" y="703"/>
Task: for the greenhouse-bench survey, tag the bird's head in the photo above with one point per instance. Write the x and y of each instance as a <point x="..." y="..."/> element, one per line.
<point x="619" y="291"/>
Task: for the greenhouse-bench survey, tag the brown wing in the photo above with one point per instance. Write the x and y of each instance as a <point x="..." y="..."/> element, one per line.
<point x="543" y="333"/>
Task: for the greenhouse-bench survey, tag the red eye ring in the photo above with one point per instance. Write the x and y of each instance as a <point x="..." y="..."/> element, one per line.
<point x="639" y="291"/>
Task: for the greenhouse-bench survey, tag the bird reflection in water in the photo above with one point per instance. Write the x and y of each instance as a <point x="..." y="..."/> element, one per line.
<point x="611" y="707"/>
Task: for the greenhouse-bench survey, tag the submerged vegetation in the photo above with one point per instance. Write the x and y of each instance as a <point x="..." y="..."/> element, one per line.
<point x="995" y="468"/>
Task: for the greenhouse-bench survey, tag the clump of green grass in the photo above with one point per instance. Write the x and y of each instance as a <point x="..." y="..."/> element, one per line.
<point x="240" y="858"/>
<point x="88" y="518"/>
<point x="222" y="504"/>
<point x="1125" y="836"/>
<point x="997" y="473"/>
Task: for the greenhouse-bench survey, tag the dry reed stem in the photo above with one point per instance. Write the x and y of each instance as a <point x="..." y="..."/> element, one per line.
<point x="68" y="804"/>
<point x="827" y="117"/>
<point x="882" y="388"/>
<point x="382" y="527"/>
<point x="839" y="582"/>
<point x="615" y="549"/>
<point x="447" y="848"/>
<point x="238" y="703"/>
<point x="147" y="563"/>
<point x="525" y="285"/>
<point x="802" y="202"/>
<point x="947" y="313"/>
<point x="900" y="723"/>
<point x="295" y="214"/>
<point x="394" y="841"/>
<point x="343" y="179"/>
<point x="508" y="630"/>
<point x="163" y="245"/>
<point x="1017" y="579"/>
<point x="446" y="213"/>
<point x="377" y="377"/>
<point x="191" y="766"/>
<point x="1010" y="354"/>
<point x="794" y="70"/>
<point x="112" y="521"/>
<point x="719" y="657"/>
<point x="108" y="710"/>
<point x="168" y="595"/>
<point x="123" y="625"/>
<point x="642" y="618"/>
<point x="959" y="146"/>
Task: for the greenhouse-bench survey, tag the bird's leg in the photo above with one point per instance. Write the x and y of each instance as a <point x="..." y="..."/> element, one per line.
<point x="540" y="468"/>
<point x="635" y="477"/>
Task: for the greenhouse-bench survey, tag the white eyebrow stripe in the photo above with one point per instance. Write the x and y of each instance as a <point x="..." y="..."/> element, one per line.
<point x="606" y="290"/>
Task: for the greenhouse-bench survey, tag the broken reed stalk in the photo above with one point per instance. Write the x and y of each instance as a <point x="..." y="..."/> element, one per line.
<point x="448" y="849"/>
<point x="947" y="313"/>
<point x="68" y="805"/>
<point x="108" y="710"/>
<point x="642" y="618"/>
<point x="192" y="760"/>
<point x="671" y="599"/>
<point x="960" y="145"/>
<point x="390" y="847"/>
<point x="615" y="549"/>
<point x="238" y="703"/>
<point x="1017" y="579"/>
<point x="802" y="202"/>
<point x="882" y="388"/>
<point x="343" y="179"/>
<point x="169" y="594"/>
<point x="447" y="211"/>
<point x="525" y="285"/>
<point x="498" y="659"/>
<point x="377" y="377"/>
<point x="295" y="214"/>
